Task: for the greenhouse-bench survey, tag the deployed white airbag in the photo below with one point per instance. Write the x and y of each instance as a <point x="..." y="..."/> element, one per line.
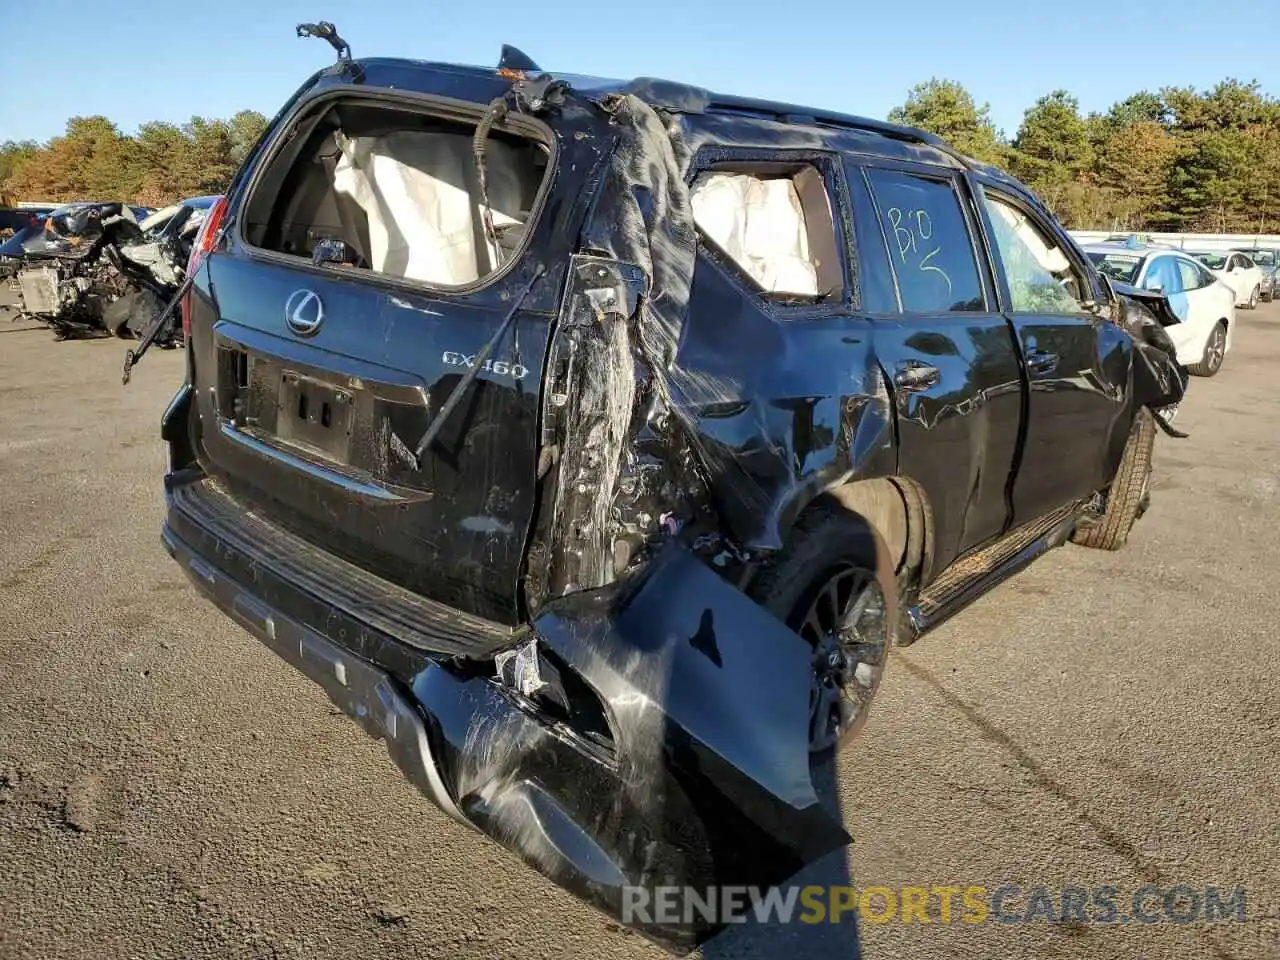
<point x="420" y="193"/>
<point x="761" y="225"/>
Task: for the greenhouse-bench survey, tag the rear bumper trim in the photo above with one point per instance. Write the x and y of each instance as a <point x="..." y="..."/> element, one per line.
<point x="314" y="587"/>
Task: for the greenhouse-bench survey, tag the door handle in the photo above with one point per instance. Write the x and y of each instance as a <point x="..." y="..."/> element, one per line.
<point x="914" y="375"/>
<point x="1039" y="362"/>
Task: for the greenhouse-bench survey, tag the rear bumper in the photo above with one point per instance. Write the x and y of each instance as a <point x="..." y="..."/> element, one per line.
<point x="365" y="693"/>
<point x="706" y="696"/>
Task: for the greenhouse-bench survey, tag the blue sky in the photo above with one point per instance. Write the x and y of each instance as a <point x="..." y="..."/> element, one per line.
<point x="138" y="60"/>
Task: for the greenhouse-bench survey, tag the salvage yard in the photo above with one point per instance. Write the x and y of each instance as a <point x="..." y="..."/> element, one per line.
<point x="168" y="788"/>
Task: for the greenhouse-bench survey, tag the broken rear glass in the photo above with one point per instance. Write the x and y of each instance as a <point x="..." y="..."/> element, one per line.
<point x="401" y="192"/>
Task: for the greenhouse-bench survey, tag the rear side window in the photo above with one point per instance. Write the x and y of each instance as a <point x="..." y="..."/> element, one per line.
<point x="929" y="242"/>
<point x="1191" y="275"/>
<point x="774" y="223"/>
<point x="397" y="192"/>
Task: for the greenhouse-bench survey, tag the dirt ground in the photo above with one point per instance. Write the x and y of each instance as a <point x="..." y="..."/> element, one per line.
<point x="168" y="788"/>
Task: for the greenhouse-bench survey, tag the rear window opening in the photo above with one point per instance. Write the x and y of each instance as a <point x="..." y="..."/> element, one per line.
<point x="397" y="192"/>
<point x="774" y="221"/>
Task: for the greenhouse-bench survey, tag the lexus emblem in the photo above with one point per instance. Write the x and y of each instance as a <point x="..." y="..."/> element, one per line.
<point x="303" y="312"/>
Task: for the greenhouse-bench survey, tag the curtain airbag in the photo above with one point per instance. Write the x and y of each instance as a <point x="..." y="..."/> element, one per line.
<point x="761" y="225"/>
<point x="420" y="193"/>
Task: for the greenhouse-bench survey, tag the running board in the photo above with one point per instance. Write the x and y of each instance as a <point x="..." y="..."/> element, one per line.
<point x="970" y="578"/>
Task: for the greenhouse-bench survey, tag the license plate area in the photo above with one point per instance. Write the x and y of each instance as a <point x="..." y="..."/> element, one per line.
<point x="314" y="416"/>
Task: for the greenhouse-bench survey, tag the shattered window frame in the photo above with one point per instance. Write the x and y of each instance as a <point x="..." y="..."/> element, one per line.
<point x="714" y="158"/>
<point x="300" y="124"/>
<point x="1086" y="274"/>
<point x="1028" y="254"/>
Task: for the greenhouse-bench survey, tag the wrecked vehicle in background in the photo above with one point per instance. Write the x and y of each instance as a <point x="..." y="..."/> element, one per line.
<point x="559" y="429"/>
<point x="13" y="219"/>
<point x="97" y="269"/>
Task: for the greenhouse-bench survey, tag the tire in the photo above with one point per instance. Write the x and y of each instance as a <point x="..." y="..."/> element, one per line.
<point x="1253" y="299"/>
<point x="1128" y="497"/>
<point x="829" y="554"/>
<point x="1215" y="349"/>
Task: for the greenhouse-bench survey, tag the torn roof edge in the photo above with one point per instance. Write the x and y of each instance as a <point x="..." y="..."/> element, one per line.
<point x="683" y="98"/>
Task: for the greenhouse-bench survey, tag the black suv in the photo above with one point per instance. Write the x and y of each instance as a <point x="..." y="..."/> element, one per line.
<point x="591" y="442"/>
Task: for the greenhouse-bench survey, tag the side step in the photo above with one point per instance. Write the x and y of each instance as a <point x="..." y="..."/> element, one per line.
<point x="970" y="578"/>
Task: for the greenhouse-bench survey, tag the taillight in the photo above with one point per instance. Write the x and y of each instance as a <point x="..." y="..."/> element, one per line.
<point x="200" y="248"/>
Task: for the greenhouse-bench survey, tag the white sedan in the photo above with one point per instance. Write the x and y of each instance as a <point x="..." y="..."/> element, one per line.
<point x="1237" y="271"/>
<point x="1203" y="303"/>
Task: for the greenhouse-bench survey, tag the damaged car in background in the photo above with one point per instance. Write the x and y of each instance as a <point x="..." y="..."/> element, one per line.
<point x="591" y="442"/>
<point x="103" y="269"/>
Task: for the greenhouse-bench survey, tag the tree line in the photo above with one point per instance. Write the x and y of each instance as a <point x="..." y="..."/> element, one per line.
<point x="1174" y="160"/>
<point x="1177" y="159"/>
<point x="158" y="165"/>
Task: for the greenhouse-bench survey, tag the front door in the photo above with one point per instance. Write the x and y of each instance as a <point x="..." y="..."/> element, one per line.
<point x="1077" y="362"/>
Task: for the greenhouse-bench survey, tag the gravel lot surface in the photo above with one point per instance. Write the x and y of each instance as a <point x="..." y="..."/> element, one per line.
<point x="168" y="788"/>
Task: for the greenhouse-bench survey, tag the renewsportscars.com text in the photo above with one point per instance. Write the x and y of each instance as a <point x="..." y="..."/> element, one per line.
<point x="952" y="903"/>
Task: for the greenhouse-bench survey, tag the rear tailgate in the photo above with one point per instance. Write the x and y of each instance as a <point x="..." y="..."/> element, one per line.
<point x="315" y="385"/>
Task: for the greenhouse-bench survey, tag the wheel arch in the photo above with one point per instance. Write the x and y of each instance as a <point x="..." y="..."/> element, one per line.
<point x="895" y="508"/>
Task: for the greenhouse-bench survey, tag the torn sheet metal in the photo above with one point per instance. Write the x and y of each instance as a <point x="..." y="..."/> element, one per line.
<point x="652" y="432"/>
<point x="1159" y="381"/>
<point x="706" y="781"/>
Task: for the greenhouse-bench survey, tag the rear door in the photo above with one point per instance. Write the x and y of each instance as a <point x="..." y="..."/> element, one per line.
<point x="1077" y="361"/>
<point x="948" y="354"/>
<point x="318" y="381"/>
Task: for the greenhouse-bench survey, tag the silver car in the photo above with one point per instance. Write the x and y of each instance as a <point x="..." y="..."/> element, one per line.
<point x="1268" y="261"/>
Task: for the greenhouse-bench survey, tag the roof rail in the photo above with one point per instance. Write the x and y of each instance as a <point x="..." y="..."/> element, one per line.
<point x="686" y="98"/>
<point x="792" y="113"/>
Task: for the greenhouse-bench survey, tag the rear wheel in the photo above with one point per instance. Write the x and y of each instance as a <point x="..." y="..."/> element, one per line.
<point x="1128" y="497"/>
<point x="1215" y="349"/>
<point x="823" y="585"/>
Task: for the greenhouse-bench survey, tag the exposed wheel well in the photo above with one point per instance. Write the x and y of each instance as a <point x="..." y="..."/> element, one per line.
<point x="896" y="509"/>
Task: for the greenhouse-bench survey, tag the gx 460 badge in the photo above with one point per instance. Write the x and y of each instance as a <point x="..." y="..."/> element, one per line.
<point x="501" y="368"/>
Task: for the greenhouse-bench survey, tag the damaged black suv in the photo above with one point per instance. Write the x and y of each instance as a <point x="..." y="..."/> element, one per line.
<point x="591" y="442"/>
